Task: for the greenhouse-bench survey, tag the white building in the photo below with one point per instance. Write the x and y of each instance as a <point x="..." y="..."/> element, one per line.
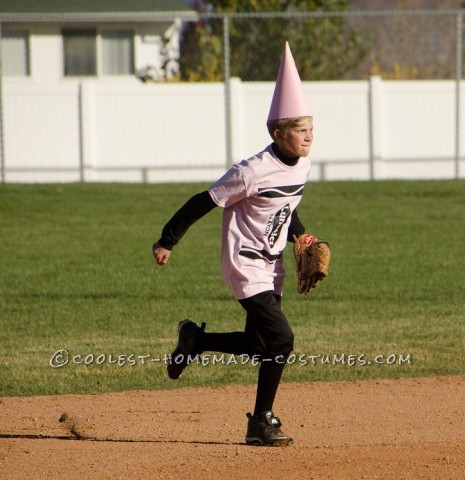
<point x="49" y="40"/>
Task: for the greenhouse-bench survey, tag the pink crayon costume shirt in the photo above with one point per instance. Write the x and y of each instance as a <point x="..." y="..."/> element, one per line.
<point x="258" y="195"/>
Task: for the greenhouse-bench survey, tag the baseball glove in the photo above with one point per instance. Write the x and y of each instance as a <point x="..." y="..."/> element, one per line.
<point x="312" y="257"/>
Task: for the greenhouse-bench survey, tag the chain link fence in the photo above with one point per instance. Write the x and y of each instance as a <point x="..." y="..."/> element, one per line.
<point x="398" y="45"/>
<point x="40" y="50"/>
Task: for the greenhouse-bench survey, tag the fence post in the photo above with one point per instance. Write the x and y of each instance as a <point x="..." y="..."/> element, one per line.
<point x="86" y="137"/>
<point x="375" y="127"/>
<point x="458" y="81"/>
<point x="2" y="150"/>
<point x="227" y="91"/>
<point x="81" y="132"/>
<point x="236" y="123"/>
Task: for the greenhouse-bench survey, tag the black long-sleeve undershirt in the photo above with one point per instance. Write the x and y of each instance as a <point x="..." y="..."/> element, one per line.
<point x="295" y="227"/>
<point x="194" y="209"/>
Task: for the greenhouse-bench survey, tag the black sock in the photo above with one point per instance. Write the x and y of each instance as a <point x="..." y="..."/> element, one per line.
<point x="239" y="343"/>
<point x="269" y="376"/>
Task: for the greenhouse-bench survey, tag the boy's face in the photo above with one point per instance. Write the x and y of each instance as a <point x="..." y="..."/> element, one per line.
<point x="296" y="141"/>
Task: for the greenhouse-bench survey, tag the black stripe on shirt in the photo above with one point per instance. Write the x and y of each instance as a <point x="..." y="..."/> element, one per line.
<point x="282" y="191"/>
<point x="259" y="254"/>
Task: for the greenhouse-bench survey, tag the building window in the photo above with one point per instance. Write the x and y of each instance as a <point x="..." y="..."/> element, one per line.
<point x="15" y="53"/>
<point x="79" y="48"/>
<point x="117" y="53"/>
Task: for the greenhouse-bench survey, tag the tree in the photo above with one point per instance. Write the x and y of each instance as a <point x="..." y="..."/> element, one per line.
<point x="324" y="47"/>
<point x="419" y="46"/>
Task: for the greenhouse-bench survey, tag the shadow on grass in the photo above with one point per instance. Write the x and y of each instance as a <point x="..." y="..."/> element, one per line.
<point x="84" y="296"/>
<point x="110" y="296"/>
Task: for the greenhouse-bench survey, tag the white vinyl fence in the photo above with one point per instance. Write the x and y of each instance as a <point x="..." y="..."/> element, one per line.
<point x="127" y="131"/>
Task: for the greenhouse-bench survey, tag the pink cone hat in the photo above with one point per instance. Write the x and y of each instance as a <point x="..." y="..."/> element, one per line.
<point x="288" y="98"/>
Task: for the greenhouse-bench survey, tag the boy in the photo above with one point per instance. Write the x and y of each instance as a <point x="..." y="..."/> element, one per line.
<point x="259" y="196"/>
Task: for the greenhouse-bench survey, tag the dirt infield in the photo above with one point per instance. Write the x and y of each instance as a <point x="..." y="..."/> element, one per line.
<point x="389" y="429"/>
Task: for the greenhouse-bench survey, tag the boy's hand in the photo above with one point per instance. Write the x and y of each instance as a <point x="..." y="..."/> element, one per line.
<point x="161" y="254"/>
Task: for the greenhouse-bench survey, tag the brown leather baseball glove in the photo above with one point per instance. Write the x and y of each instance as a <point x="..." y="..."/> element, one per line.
<point x="312" y="257"/>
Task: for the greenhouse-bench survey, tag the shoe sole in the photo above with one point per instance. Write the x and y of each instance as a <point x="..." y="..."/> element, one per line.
<point x="174" y="369"/>
<point x="279" y="442"/>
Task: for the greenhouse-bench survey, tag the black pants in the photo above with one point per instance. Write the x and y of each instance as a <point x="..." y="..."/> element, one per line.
<point x="267" y="326"/>
<point x="268" y="335"/>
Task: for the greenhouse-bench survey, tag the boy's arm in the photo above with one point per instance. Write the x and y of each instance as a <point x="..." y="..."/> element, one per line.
<point x="295" y="227"/>
<point x="194" y="209"/>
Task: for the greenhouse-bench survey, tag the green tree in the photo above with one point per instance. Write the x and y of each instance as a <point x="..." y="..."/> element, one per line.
<point x="324" y="47"/>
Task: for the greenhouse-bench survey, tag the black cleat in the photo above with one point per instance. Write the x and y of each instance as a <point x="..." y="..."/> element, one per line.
<point x="264" y="429"/>
<point x="187" y="348"/>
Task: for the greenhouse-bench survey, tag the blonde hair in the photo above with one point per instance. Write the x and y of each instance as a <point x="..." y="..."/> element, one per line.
<point x="284" y="124"/>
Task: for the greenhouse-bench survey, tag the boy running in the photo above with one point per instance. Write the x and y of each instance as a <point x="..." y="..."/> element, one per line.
<point x="259" y="196"/>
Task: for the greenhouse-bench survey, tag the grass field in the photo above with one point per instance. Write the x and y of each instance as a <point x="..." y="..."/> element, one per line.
<point x="77" y="274"/>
